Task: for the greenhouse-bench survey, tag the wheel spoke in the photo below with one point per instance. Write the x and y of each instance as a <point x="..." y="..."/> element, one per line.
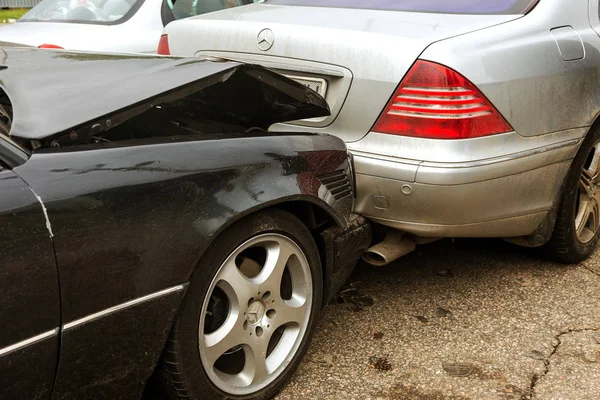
<point x="593" y="219"/>
<point x="594" y="168"/>
<point x="238" y="288"/>
<point x="258" y="359"/>
<point x="226" y="337"/>
<point x="278" y="254"/>
<point x="289" y="312"/>
<point x="583" y="215"/>
<point x="586" y="182"/>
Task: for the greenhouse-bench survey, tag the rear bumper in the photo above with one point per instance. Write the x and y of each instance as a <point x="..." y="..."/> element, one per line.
<point x="504" y="196"/>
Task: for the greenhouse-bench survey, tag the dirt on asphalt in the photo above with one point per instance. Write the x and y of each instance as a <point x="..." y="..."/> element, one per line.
<point x="469" y="319"/>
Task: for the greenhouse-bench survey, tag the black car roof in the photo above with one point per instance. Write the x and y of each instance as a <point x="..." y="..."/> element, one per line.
<point x="54" y="91"/>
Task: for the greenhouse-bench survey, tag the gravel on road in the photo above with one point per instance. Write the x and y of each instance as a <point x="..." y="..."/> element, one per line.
<point x="458" y="320"/>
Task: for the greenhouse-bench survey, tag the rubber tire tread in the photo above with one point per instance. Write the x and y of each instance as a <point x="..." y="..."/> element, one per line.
<point x="564" y="246"/>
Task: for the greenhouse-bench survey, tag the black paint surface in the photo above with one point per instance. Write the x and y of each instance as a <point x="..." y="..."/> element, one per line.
<point x="28" y="373"/>
<point x="131" y="215"/>
<point x="28" y="292"/>
<point x="133" y="218"/>
<point x="112" y="357"/>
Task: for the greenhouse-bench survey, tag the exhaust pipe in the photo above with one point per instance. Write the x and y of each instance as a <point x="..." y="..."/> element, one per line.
<point x="394" y="246"/>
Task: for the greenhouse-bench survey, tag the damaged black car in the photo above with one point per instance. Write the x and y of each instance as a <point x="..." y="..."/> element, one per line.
<point x="153" y="229"/>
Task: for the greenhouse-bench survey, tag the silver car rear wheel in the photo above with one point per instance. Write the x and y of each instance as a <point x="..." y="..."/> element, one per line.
<point x="255" y="314"/>
<point x="577" y="227"/>
<point x="587" y="220"/>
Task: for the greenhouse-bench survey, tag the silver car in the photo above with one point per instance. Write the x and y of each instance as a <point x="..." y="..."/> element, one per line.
<point x="104" y="25"/>
<point x="466" y="118"/>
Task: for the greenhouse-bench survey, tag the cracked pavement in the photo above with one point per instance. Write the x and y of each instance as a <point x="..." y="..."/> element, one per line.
<point x="470" y="319"/>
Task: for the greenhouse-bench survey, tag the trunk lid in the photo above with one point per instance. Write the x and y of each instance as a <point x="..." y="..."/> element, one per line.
<point x="359" y="55"/>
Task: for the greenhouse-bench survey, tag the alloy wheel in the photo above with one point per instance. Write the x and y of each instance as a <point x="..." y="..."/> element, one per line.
<point x="255" y="314"/>
<point x="587" y="219"/>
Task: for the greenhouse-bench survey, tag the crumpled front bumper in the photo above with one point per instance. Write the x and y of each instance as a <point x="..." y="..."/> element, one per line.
<point x="343" y="248"/>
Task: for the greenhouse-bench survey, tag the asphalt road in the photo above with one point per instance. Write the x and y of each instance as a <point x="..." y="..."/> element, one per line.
<point x="463" y="320"/>
<point x="476" y="319"/>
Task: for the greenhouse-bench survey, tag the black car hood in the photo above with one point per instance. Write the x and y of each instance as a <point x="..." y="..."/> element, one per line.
<point x="52" y="92"/>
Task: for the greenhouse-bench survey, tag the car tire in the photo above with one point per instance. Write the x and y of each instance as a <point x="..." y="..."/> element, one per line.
<point x="576" y="232"/>
<point x="257" y="313"/>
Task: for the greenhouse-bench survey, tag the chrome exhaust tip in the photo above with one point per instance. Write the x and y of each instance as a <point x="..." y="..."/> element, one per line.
<point x="395" y="245"/>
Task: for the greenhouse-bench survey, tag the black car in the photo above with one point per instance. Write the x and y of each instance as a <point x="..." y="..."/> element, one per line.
<point x="151" y="226"/>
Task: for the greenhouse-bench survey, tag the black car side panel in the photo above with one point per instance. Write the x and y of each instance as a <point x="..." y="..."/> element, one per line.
<point x="112" y="357"/>
<point x="30" y="311"/>
<point x="28" y="373"/>
<point x="131" y="220"/>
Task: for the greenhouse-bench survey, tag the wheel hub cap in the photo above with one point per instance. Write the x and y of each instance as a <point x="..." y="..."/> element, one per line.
<point x="255" y="313"/>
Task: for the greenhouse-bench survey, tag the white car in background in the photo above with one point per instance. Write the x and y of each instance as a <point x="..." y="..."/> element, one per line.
<point x="104" y="25"/>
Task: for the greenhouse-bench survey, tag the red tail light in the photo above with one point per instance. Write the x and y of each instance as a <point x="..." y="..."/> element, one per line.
<point x="49" y="46"/>
<point x="163" y="45"/>
<point x="436" y="102"/>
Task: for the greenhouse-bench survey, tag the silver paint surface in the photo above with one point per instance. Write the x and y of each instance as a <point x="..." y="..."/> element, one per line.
<point x="540" y="70"/>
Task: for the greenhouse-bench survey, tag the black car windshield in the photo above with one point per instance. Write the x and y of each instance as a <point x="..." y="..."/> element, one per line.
<point x="501" y="7"/>
<point x="104" y="12"/>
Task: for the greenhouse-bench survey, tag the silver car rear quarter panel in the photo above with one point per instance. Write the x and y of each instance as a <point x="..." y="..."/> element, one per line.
<point x="520" y="68"/>
<point x="502" y="185"/>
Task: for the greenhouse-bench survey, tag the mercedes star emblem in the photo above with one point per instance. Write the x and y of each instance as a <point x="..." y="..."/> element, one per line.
<point x="265" y="39"/>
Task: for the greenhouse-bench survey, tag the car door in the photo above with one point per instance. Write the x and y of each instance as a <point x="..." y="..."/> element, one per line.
<point x="29" y="294"/>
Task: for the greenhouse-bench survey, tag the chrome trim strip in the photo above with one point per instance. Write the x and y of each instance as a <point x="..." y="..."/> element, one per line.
<point x="488" y="161"/>
<point x="122" y="306"/>
<point x="509" y="157"/>
<point x="27" y="342"/>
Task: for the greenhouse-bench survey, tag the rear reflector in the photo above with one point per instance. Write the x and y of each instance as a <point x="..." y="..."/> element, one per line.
<point x="436" y="102"/>
<point x="163" y="45"/>
<point x="49" y="46"/>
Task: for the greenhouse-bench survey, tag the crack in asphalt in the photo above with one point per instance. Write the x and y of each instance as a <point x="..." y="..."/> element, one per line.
<point x="590" y="270"/>
<point x="557" y="339"/>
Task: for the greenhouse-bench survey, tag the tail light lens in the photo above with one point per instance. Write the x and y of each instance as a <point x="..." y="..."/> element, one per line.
<point x="163" y="45"/>
<point x="49" y="46"/>
<point x="436" y="102"/>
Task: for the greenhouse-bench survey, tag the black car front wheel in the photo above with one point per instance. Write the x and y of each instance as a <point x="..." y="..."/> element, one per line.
<point x="249" y="312"/>
<point x="577" y="228"/>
